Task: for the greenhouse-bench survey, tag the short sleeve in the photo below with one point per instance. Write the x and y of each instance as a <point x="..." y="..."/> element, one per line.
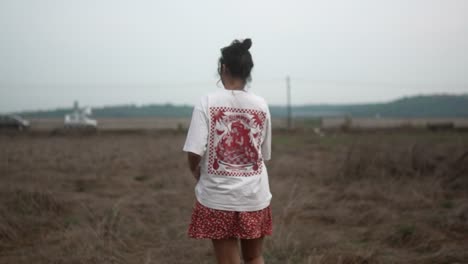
<point x="197" y="136"/>
<point x="266" y="144"/>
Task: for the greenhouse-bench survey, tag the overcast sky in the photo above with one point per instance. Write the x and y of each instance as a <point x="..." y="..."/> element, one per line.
<point x="105" y="52"/>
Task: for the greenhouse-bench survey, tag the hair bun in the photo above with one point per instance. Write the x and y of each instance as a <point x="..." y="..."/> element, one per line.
<point x="246" y="44"/>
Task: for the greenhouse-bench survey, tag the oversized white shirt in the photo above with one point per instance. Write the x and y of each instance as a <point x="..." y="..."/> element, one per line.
<point x="231" y="131"/>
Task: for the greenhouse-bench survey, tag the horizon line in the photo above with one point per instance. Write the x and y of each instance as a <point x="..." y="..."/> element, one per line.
<point x="271" y="105"/>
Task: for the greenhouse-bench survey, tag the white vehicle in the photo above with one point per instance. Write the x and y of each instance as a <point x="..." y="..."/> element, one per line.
<point x="80" y="118"/>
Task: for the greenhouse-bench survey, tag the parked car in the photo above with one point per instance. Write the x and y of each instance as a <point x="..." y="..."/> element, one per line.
<point x="13" y="122"/>
<point x="79" y="118"/>
<point x="79" y="121"/>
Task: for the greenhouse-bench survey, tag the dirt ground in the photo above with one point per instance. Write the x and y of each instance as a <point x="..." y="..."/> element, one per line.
<point x="386" y="197"/>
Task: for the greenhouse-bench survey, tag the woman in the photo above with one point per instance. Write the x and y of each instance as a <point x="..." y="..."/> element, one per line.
<point x="227" y="143"/>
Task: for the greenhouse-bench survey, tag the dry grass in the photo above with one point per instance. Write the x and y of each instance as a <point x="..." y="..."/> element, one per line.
<point x="127" y="198"/>
<point x="141" y="123"/>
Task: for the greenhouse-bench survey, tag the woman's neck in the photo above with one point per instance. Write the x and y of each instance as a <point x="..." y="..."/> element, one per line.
<point x="233" y="84"/>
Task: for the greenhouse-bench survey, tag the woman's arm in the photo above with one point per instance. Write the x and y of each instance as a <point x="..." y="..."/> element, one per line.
<point x="197" y="138"/>
<point x="194" y="164"/>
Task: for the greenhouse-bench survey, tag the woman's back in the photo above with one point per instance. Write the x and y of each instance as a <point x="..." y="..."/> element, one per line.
<point x="236" y="125"/>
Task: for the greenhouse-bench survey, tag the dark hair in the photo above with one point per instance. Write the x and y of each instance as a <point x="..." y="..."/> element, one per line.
<point x="237" y="59"/>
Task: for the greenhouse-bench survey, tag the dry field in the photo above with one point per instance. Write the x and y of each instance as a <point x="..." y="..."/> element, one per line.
<point x="109" y="197"/>
<point x="390" y="123"/>
<point x="134" y="123"/>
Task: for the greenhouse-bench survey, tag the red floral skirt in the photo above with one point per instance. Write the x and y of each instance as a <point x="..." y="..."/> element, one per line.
<point x="219" y="224"/>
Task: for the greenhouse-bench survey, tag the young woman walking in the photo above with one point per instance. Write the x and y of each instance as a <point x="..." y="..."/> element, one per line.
<point x="228" y="140"/>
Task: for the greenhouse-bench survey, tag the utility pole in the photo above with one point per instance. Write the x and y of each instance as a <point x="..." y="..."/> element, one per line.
<point x="288" y="88"/>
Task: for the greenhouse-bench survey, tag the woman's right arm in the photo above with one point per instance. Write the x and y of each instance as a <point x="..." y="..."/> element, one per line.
<point x="197" y="139"/>
<point x="194" y="164"/>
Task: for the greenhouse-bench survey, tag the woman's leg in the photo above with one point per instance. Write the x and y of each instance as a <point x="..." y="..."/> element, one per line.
<point x="252" y="250"/>
<point x="226" y="251"/>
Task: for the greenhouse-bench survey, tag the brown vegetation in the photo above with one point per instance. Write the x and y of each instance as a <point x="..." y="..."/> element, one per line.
<point x="126" y="198"/>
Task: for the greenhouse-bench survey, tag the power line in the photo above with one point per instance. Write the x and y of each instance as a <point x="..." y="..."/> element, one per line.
<point x="288" y="96"/>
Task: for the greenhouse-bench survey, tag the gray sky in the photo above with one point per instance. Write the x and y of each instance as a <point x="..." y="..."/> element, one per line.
<point x="105" y="52"/>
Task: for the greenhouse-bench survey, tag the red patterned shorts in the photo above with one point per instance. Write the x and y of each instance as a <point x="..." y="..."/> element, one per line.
<point x="219" y="224"/>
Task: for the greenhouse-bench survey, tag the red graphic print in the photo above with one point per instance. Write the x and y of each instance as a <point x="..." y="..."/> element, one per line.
<point x="235" y="139"/>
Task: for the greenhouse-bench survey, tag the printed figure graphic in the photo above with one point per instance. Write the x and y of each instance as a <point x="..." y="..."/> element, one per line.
<point x="234" y="148"/>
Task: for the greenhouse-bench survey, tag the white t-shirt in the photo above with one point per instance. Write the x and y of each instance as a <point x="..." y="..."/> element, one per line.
<point x="231" y="131"/>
